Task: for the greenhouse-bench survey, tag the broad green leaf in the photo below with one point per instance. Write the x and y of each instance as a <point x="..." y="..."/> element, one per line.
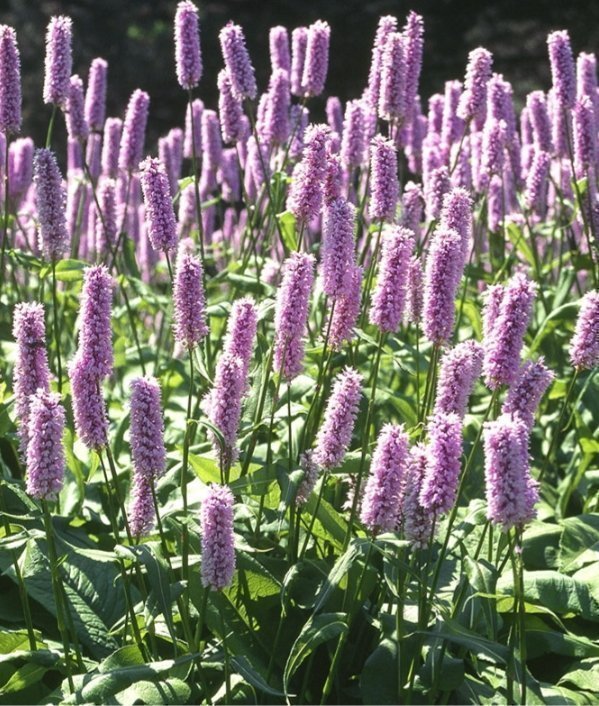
<point x="378" y="679"/>
<point x="319" y="629"/>
<point x="557" y="592"/>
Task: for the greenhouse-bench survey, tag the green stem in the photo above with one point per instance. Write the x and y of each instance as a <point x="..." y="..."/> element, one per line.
<point x="365" y="440"/>
<point x="56" y="329"/>
<point x="226" y="660"/>
<point x="184" y="468"/>
<point x="57" y="591"/>
<point x="6" y="210"/>
<point x="20" y="582"/>
<point x="51" y="126"/>
<point x="558" y="427"/>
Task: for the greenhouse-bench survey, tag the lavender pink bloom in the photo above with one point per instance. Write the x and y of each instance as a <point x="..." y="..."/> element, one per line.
<point x="278" y="42"/>
<point x="193" y="129"/>
<point x="187" y="45"/>
<point x="10" y="82"/>
<point x="535" y="194"/>
<point x="389" y="296"/>
<point x="241" y="331"/>
<point x="20" y="167"/>
<point x="189" y="302"/>
<point x="511" y="492"/>
<point x="384" y="184"/>
<point x="440" y="483"/>
<point x="527" y="390"/>
<point x="353" y="143"/>
<point x="460" y="368"/>
<point x="472" y="104"/>
<point x="223" y="406"/>
<point x="337" y="246"/>
<point x="106" y="226"/>
<point x="31" y="370"/>
<point x="436" y="186"/>
<point x="212" y="147"/>
<point x="504" y="342"/>
<point x="160" y="215"/>
<point x="59" y="61"/>
<point x="77" y="126"/>
<point x="413" y="41"/>
<point x="536" y="106"/>
<point x="584" y="346"/>
<point x="51" y="204"/>
<point x="89" y="408"/>
<point x="444" y="267"/>
<point x="562" y="68"/>
<point x="95" y="96"/>
<point x="218" y="539"/>
<point x="147" y="428"/>
<point x="334" y="436"/>
<point x="415" y="289"/>
<point x="316" y="63"/>
<point x="110" y="146"/>
<point x="381" y="505"/>
<point x="347" y="309"/>
<point x="304" y="199"/>
<point x="134" y="131"/>
<point x="230" y="110"/>
<point x="142" y="513"/>
<point x="585" y="136"/>
<point x="95" y="336"/>
<point x="457" y="214"/>
<point x="393" y="79"/>
<point x="386" y="26"/>
<point x="417" y="520"/>
<point x="299" y="43"/>
<point x="45" y="453"/>
<point x="276" y="119"/>
<point x="237" y="61"/>
<point x="334" y="113"/>
<point x="291" y="313"/>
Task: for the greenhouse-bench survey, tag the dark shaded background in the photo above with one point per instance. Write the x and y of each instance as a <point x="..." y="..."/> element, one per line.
<point x="135" y="36"/>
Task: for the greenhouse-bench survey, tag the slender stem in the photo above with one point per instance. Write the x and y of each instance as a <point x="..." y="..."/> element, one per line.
<point x="51" y="126"/>
<point x="370" y="275"/>
<point x="365" y="440"/>
<point x="56" y="329"/>
<point x="20" y="582"/>
<point x="124" y="576"/>
<point x="196" y="184"/>
<point x="6" y="210"/>
<point x="328" y="685"/>
<point x="558" y="426"/>
<point x="226" y="660"/>
<point x="521" y="613"/>
<point x="184" y="467"/>
<point x="308" y="536"/>
<point x="56" y="589"/>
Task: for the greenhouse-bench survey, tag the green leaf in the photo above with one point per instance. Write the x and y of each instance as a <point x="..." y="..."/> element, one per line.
<point x="89" y="581"/>
<point x="288" y="224"/>
<point x="378" y="679"/>
<point x="452" y="631"/>
<point x="245" y="669"/>
<point x="70" y="270"/>
<point x="24" y="676"/>
<point x="579" y="543"/>
<point x="340" y="568"/>
<point x="167" y="691"/>
<point x="100" y="687"/>
<point x="319" y="629"/>
<point x="586" y="676"/>
<point x="557" y="592"/>
<point x="160" y="598"/>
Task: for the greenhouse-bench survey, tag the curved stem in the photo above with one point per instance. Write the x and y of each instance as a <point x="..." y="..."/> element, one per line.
<point x="56" y="329"/>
